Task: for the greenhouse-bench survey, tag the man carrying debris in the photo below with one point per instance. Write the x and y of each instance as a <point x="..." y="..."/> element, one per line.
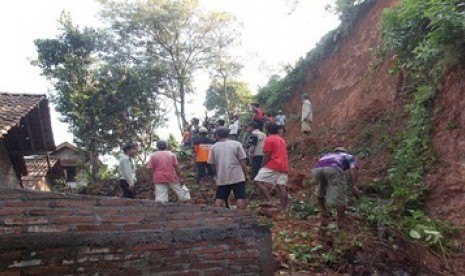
<point x="333" y="183"/>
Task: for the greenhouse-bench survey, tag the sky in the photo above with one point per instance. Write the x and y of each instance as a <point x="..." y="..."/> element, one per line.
<point x="274" y="33"/>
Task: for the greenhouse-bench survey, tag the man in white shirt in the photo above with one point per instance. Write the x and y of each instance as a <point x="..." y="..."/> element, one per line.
<point x="280" y="120"/>
<point x="127" y="170"/>
<point x="234" y="127"/>
<point x="307" y="115"/>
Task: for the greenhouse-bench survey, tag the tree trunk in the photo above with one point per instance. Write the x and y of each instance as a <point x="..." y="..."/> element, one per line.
<point x="225" y="91"/>
<point x="182" y="96"/>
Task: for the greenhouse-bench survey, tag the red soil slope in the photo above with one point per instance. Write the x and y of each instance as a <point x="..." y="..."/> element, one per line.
<point x="447" y="180"/>
<point x="351" y="80"/>
<point x="352" y="83"/>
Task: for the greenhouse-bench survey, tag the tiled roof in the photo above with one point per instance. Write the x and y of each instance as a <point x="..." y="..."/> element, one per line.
<point x="37" y="169"/>
<point x="38" y="166"/>
<point x="15" y="106"/>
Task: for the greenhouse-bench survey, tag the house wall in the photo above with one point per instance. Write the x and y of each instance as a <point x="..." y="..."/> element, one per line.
<point x="7" y="172"/>
<point x="68" y="154"/>
<point x="57" y="234"/>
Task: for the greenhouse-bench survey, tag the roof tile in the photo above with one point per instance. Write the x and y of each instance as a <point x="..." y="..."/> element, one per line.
<point x="13" y="107"/>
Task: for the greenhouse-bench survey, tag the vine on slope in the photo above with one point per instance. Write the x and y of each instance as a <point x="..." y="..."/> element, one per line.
<point x="427" y="38"/>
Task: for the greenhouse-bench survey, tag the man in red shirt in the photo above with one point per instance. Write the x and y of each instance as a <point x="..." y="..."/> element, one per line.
<point x="165" y="171"/>
<point x="275" y="166"/>
<point x="257" y="115"/>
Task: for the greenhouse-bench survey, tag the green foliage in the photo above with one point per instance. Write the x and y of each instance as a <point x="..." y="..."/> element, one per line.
<point x="303" y="209"/>
<point x="172" y="143"/>
<point x="235" y="97"/>
<point x="426" y="38"/>
<point x="105" y="97"/>
<point x="177" y="34"/>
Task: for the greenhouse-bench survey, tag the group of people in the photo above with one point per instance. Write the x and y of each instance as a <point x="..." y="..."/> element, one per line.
<point x="192" y="130"/>
<point x="224" y="160"/>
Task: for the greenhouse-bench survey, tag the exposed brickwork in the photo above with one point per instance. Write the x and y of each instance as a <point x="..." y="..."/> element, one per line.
<point x="48" y="233"/>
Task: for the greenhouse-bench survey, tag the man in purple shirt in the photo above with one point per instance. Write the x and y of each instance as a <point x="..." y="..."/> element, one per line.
<point x="333" y="182"/>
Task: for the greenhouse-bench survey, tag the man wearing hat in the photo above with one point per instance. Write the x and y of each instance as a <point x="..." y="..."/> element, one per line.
<point x="201" y="148"/>
<point x="165" y="172"/>
<point x="333" y="182"/>
<point x="229" y="159"/>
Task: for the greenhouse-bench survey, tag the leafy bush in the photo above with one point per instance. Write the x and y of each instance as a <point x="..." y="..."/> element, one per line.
<point x="426" y="38"/>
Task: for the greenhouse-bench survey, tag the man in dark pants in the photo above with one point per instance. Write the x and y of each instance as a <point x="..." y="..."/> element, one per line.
<point x="228" y="158"/>
<point x="127" y="170"/>
<point x="255" y="145"/>
<point x="201" y="147"/>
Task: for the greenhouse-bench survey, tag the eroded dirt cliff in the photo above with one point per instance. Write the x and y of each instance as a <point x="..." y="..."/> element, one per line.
<point x="353" y="95"/>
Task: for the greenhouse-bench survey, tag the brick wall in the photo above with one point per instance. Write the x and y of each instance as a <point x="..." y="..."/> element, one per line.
<point x="7" y="172"/>
<point x="49" y="233"/>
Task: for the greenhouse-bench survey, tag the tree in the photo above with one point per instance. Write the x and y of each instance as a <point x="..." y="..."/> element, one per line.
<point x="271" y="96"/>
<point x="176" y="32"/>
<point x="237" y="97"/>
<point x="105" y="103"/>
<point x="224" y="67"/>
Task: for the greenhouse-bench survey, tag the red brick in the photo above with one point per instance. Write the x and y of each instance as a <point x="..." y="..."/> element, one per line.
<point x="47" y="270"/>
<point x="188" y="273"/>
<point x="109" y="201"/>
<point x="10" y="211"/>
<point x="31" y="195"/>
<point x="48" y="228"/>
<point x="51" y="212"/>
<point x="10" y="273"/>
<point x="74" y="203"/>
<point x="137" y="210"/>
<point x="209" y="250"/>
<point x="215" y="272"/>
<point x="96" y="227"/>
<point x="86" y="211"/>
<point x="250" y="254"/>
<point x="192" y="246"/>
<point x="153" y="217"/>
<point x="51" y="253"/>
<point x="185" y="224"/>
<point x="116" y="219"/>
<point x="10" y="230"/>
<point x="241" y="247"/>
<point x="221" y="256"/>
<point x="25" y="204"/>
<point x="133" y="227"/>
<point x="10" y="256"/>
<point x="73" y="220"/>
<point x="221" y="221"/>
<point x="149" y="247"/>
<point x="25" y="220"/>
<point x="106" y="211"/>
